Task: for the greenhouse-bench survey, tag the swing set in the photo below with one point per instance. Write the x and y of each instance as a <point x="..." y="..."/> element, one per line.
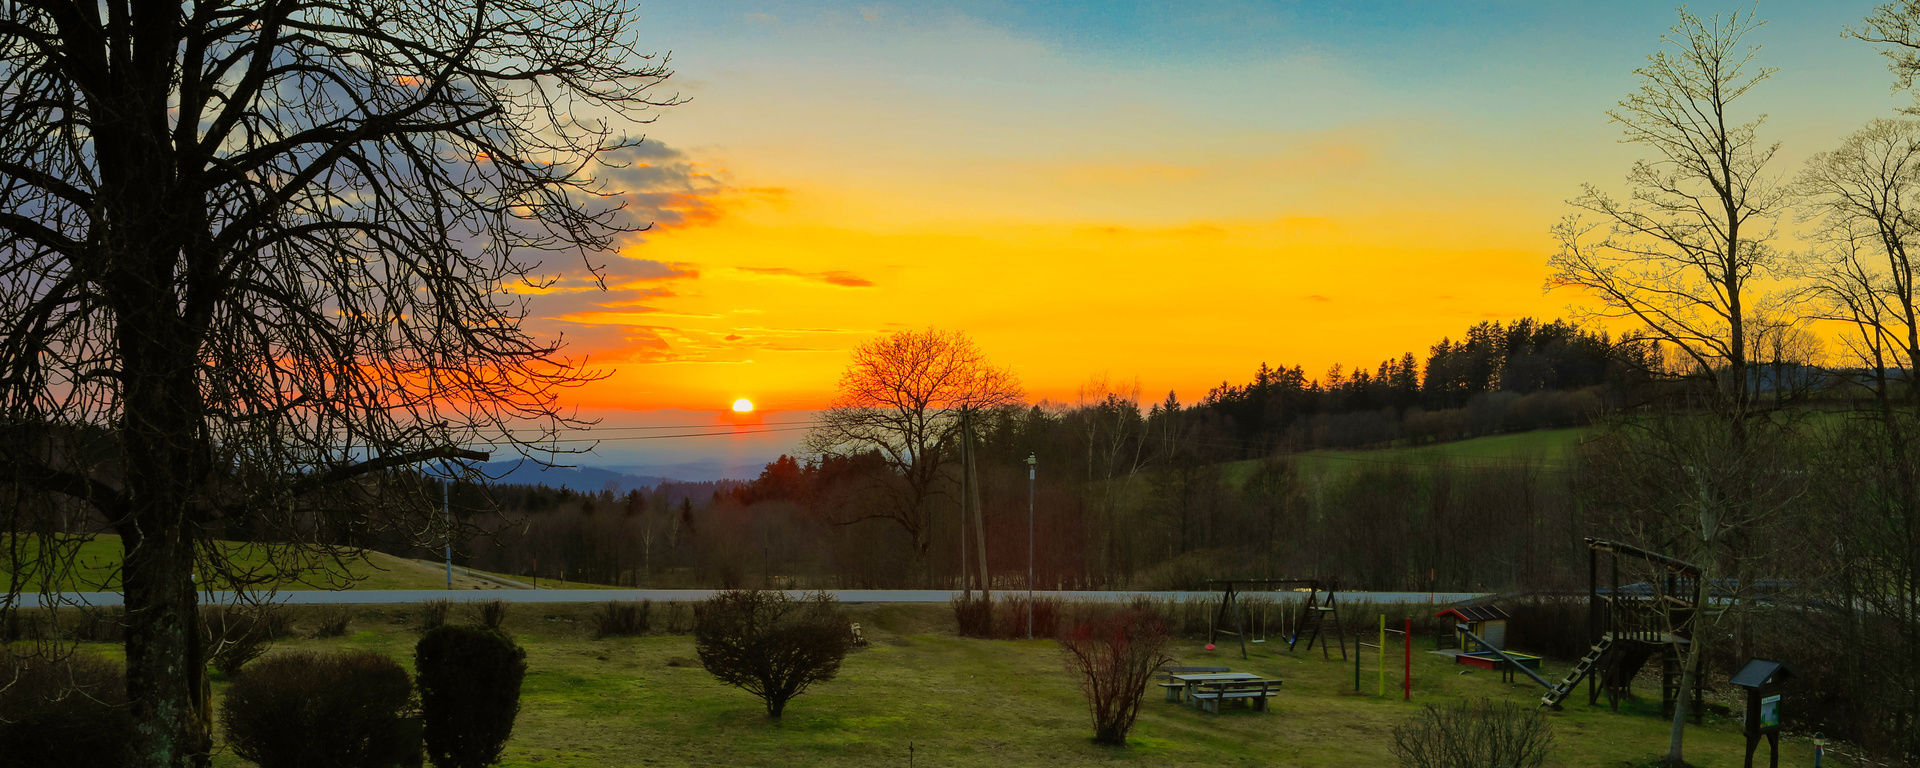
<point x="1321" y="604"/>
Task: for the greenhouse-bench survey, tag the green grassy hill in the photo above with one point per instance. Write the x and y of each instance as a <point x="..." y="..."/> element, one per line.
<point x="1553" y="447"/>
<point x="95" y="566"/>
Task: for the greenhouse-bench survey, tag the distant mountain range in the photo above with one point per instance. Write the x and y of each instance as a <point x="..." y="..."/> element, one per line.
<point x="620" y="479"/>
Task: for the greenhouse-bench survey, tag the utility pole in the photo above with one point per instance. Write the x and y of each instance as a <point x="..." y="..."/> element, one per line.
<point x="1032" y="464"/>
<point x="446" y="510"/>
<point x="979" y="521"/>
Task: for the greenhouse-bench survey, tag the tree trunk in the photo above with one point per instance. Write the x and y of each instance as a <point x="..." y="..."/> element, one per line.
<point x="164" y="673"/>
<point x="165" y="461"/>
<point x="1677" y="733"/>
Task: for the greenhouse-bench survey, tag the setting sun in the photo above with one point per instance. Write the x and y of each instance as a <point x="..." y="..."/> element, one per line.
<point x="743" y="405"/>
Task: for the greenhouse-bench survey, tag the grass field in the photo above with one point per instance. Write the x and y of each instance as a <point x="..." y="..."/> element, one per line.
<point x="96" y="567"/>
<point x="919" y="693"/>
<point x="1548" y="447"/>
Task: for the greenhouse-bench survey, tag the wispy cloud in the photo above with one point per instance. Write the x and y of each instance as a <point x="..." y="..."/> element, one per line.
<point x="839" y="277"/>
<point x="661" y="187"/>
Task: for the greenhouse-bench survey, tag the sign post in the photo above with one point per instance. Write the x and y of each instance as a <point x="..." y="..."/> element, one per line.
<point x="1763" y="680"/>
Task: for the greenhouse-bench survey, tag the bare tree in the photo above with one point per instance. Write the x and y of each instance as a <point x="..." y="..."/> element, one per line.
<point x="256" y="254"/>
<point x="1677" y="257"/>
<point x="1682" y="484"/>
<point x="1865" y="198"/>
<point x="1109" y="417"/>
<point x="903" y="397"/>
<point x="1677" y="254"/>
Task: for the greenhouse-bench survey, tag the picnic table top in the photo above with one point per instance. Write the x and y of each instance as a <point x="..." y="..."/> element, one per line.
<point x="1213" y="676"/>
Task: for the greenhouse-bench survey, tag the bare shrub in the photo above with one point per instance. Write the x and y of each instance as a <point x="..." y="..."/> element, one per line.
<point x="63" y="712"/>
<point x="770" y="644"/>
<point x="1481" y="734"/>
<point x="431" y="615"/>
<point x="973" y="616"/>
<point x="98" y="625"/>
<point x="1012" y="617"/>
<point x="333" y="621"/>
<point x="679" y="618"/>
<point x="1114" y="656"/>
<point x="491" y="614"/>
<point x="294" y="710"/>
<point x="623" y="619"/>
<point x="235" y="636"/>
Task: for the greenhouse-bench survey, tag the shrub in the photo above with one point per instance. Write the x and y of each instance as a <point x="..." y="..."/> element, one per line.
<point x="333" y="621"/>
<point x="469" y="693"/>
<point x="62" y="712"/>
<point x="431" y="615"/>
<point x="1114" y="656"/>
<point x="678" y="621"/>
<point x="301" y="710"/>
<point x="236" y="636"/>
<point x="770" y="644"/>
<point x="99" y="625"/>
<point x="1011" y="621"/>
<point x="973" y="616"/>
<point x="491" y="614"/>
<point x="622" y="619"/>
<point x="1480" y="734"/>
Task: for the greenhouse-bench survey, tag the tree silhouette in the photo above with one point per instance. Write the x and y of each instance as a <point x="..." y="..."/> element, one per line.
<point x="256" y="253"/>
<point x="903" y="397"/>
<point x="1676" y="255"/>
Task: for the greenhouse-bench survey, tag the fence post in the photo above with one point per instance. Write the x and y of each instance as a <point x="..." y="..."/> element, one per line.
<point x="1381" y="651"/>
<point x="1406" y="636"/>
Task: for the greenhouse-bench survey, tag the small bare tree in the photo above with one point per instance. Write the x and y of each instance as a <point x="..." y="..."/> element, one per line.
<point x="1114" y="656"/>
<point x="1677" y="254"/>
<point x="904" y="397"/>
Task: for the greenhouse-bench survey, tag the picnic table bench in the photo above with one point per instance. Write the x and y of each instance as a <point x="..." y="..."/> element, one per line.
<point x="1175" y="688"/>
<point x="1255" y="692"/>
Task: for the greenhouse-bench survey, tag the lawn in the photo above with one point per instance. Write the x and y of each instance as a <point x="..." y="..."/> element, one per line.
<point x="96" y="567"/>
<point x="919" y="695"/>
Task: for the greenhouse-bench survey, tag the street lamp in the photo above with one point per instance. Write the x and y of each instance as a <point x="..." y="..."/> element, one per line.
<point x="1032" y="463"/>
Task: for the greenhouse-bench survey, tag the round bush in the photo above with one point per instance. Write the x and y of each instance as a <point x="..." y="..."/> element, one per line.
<point x="62" y="712"/>
<point x="306" y="710"/>
<point x="469" y="693"/>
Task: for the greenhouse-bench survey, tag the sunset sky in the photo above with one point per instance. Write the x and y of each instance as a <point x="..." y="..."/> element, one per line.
<point x="1174" y="192"/>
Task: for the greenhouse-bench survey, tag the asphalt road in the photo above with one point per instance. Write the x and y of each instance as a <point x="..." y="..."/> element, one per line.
<point x="393" y="596"/>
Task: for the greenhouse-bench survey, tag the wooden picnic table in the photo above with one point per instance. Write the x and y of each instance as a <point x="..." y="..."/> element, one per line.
<point x="1180" y="685"/>
<point x="1255" y="692"/>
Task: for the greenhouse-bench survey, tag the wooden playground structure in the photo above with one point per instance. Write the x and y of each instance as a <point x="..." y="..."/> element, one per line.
<point x="1321" y="604"/>
<point x="1628" y="627"/>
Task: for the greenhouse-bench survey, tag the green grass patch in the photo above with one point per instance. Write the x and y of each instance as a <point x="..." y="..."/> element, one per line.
<point x="1552" y="447"/>
<point x="952" y="701"/>
<point x="93" y="565"/>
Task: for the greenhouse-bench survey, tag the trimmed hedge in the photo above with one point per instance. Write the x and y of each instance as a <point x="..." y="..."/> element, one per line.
<point x="307" y="710"/>
<point x="469" y="693"/>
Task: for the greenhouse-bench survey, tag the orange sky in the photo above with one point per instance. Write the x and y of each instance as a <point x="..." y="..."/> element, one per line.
<point x="1173" y="200"/>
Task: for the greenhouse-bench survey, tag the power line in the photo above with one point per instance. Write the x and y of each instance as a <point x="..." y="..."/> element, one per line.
<point x="810" y="422"/>
<point x="629" y="438"/>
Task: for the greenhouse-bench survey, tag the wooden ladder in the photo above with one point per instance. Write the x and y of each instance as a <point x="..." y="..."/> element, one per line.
<point x="1558" y="693"/>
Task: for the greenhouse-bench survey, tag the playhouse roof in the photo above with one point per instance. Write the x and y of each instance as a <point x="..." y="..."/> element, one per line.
<point x="1471" y="613"/>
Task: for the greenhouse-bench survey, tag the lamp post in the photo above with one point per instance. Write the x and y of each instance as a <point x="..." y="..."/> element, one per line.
<point x="1032" y="463"/>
